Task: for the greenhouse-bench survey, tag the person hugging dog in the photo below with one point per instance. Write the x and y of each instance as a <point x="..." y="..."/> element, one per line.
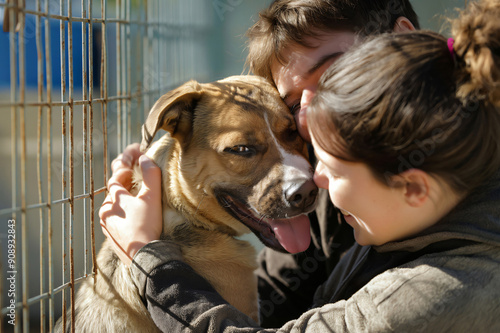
<point x="405" y="129"/>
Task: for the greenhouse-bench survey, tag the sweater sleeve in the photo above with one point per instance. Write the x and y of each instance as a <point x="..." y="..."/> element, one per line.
<point x="178" y="299"/>
<point x="431" y="294"/>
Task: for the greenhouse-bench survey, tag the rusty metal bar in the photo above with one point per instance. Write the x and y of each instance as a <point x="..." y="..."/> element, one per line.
<point x="128" y="74"/>
<point x="147" y="60"/>
<point x="158" y="49"/>
<point x="139" y="64"/>
<point x="8" y="211"/>
<point x="104" y="88"/>
<point x="91" y="147"/>
<point x="60" y="288"/>
<point x="22" y="119"/>
<point x="48" y="70"/>
<point x="177" y="46"/>
<point x="119" y="104"/>
<point x="155" y="75"/>
<point x="75" y="102"/>
<point x="13" y="86"/>
<point x="174" y="28"/>
<point x="36" y="299"/>
<point x="39" y="161"/>
<point x="64" y="158"/>
<point x="71" y="166"/>
<point x="85" y="132"/>
<point x="14" y="148"/>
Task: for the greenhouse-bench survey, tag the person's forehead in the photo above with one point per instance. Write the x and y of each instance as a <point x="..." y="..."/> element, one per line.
<point x="315" y="47"/>
<point x="300" y="61"/>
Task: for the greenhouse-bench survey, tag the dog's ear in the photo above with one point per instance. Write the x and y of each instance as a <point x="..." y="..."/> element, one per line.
<point x="173" y="112"/>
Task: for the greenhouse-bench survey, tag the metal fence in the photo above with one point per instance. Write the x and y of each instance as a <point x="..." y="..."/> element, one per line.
<point x="78" y="78"/>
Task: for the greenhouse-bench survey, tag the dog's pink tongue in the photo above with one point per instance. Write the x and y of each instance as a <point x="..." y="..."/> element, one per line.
<point x="293" y="234"/>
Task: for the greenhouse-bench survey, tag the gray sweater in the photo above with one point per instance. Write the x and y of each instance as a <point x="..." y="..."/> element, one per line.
<point x="446" y="279"/>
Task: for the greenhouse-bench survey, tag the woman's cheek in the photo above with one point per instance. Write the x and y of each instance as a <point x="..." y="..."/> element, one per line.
<point x="337" y="191"/>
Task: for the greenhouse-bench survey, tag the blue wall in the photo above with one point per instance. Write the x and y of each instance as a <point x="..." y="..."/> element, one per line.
<point x="31" y="54"/>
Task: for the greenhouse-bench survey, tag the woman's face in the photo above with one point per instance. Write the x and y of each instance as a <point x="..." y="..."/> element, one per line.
<point x="377" y="212"/>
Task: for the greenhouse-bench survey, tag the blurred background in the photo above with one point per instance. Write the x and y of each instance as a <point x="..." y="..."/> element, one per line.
<point x="68" y="108"/>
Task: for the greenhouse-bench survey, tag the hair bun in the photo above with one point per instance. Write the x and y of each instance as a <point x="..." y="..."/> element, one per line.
<point x="477" y="45"/>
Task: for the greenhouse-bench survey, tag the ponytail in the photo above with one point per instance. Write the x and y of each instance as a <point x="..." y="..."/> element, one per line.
<point x="477" y="46"/>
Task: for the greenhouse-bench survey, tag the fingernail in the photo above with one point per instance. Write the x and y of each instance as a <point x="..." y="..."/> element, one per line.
<point x="143" y="159"/>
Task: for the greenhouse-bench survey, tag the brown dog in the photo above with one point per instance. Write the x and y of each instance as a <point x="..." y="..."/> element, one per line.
<point x="231" y="161"/>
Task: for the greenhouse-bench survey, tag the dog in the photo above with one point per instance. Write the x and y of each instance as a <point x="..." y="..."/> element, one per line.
<point x="232" y="162"/>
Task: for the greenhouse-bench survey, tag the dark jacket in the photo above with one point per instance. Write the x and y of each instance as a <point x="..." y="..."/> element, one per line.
<point x="445" y="279"/>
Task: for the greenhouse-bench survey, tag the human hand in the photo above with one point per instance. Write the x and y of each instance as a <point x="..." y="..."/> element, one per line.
<point x="123" y="165"/>
<point x="128" y="221"/>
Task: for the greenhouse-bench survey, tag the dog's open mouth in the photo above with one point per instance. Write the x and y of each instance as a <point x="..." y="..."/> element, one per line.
<point x="286" y="235"/>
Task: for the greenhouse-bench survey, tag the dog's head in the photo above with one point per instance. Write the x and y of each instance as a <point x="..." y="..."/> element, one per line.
<point x="238" y="160"/>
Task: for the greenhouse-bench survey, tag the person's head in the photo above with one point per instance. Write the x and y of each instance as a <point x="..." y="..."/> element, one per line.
<point x="404" y="115"/>
<point x="294" y="41"/>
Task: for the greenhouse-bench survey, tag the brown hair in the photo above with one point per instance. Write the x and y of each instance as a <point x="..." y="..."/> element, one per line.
<point x="288" y="22"/>
<point x="402" y="101"/>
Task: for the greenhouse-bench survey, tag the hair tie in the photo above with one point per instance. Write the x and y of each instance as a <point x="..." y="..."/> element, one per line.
<point x="451" y="41"/>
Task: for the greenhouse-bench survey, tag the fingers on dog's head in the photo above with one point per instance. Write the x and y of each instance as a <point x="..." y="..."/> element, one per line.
<point x="127" y="159"/>
<point x="123" y="177"/>
<point x="151" y="176"/>
<point x="132" y="153"/>
<point x="115" y="189"/>
<point x="120" y="163"/>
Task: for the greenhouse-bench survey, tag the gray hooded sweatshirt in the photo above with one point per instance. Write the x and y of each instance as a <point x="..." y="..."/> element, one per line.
<point x="445" y="279"/>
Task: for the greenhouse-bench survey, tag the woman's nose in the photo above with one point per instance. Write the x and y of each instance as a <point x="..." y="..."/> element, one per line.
<point x="319" y="177"/>
<point x="307" y="96"/>
<point x="301" y="116"/>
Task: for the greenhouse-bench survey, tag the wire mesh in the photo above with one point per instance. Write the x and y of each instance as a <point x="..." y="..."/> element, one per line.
<point x="82" y="75"/>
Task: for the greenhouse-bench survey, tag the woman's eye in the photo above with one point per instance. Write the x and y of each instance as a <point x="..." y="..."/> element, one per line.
<point x="240" y="150"/>
<point x="295" y="108"/>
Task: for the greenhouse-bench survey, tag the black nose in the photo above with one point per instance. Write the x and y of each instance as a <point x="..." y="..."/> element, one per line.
<point x="301" y="194"/>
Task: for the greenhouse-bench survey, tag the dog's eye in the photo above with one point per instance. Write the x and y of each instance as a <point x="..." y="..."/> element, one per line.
<point x="241" y="150"/>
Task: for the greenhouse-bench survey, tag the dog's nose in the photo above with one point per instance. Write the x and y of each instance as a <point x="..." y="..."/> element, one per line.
<point x="301" y="194"/>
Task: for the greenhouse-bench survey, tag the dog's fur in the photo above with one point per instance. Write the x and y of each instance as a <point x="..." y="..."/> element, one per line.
<point x="231" y="151"/>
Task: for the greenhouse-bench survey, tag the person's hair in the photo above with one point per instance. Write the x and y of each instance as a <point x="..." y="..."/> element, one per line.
<point x="291" y="22"/>
<point x="403" y="101"/>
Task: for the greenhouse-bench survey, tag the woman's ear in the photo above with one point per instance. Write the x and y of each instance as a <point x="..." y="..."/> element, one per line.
<point x="403" y="25"/>
<point x="415" y="186"/>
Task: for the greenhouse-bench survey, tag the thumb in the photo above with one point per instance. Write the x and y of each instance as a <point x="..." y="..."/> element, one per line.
<point x="151" y="177"/>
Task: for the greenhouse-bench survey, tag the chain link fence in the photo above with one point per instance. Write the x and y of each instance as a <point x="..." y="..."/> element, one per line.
<point x="77" y="79"/>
